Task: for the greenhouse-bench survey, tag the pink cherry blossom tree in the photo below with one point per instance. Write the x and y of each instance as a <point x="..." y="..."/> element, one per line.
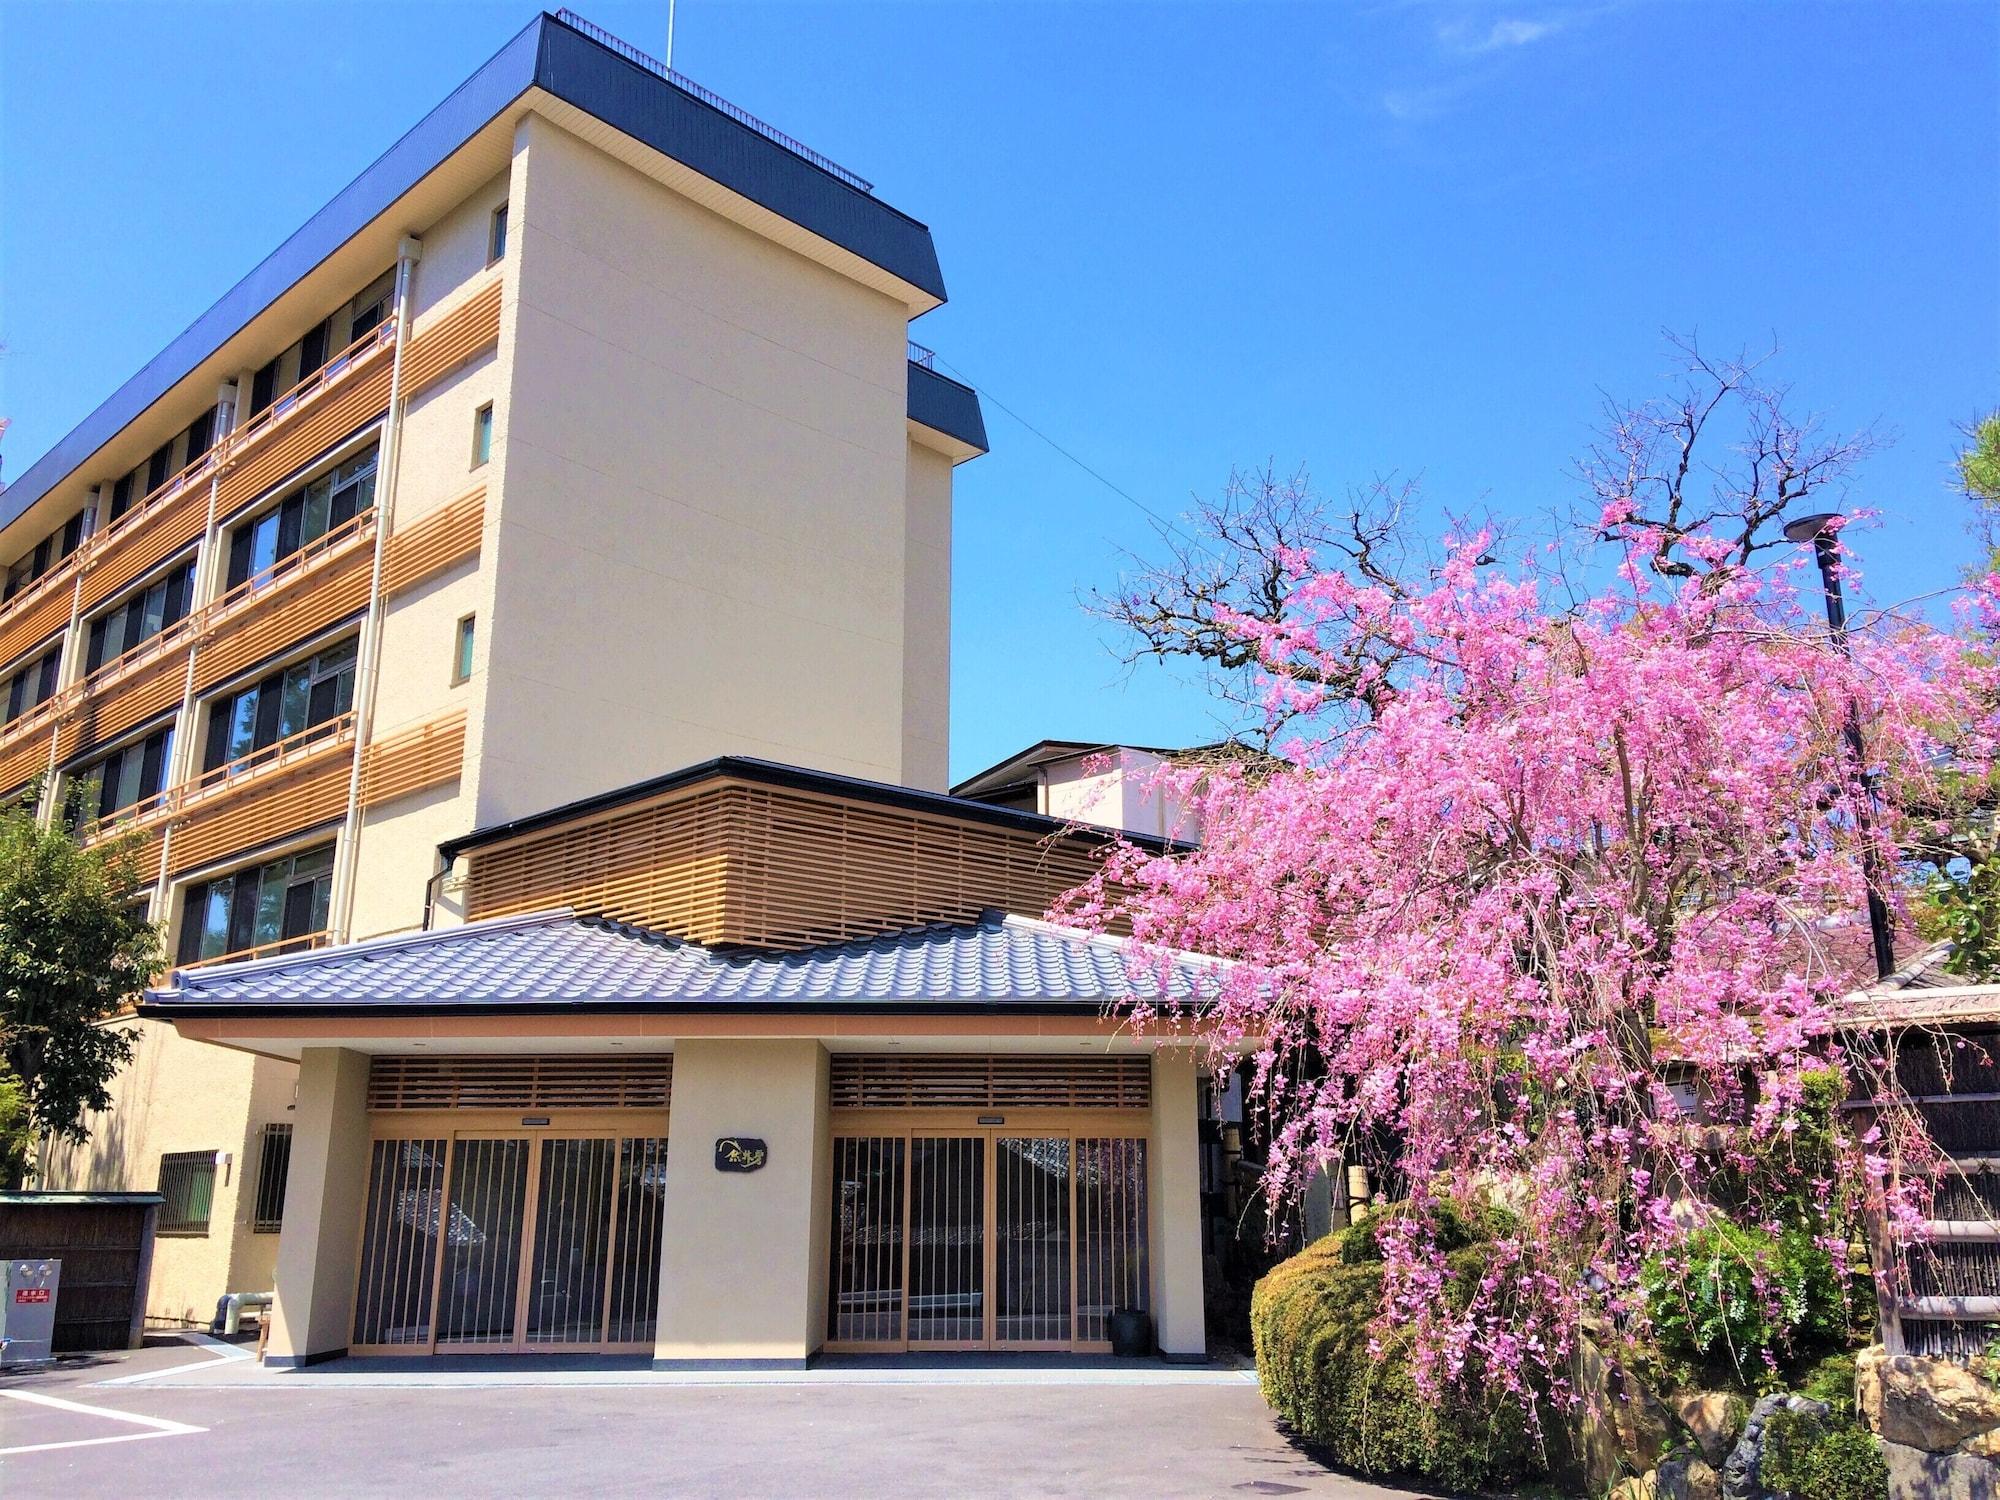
<point x="1527" y="848"/>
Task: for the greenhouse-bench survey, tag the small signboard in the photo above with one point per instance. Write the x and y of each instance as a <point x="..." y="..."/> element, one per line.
<point x="740" y="1153"/>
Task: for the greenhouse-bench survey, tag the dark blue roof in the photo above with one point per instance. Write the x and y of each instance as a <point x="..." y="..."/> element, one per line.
<point x="942" y="403"/>
<point x="558" y="961"/>
<point x="553" y="56"/>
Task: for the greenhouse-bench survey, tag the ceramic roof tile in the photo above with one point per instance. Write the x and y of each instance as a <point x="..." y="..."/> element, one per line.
<point x="557" y="959"/>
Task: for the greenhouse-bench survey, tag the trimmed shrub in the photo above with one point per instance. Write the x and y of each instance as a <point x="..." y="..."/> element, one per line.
<point x="1312" y="1321"/>
<point x="1809" y="1462"/>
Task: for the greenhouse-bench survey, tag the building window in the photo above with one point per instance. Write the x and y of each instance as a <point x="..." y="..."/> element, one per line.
<point x="49" y="551"/>
<point x="264" y="387"/>
<point x="461" y="649"/>
<point x="200" y="434"/>
<point x="187" y="1182"/>
<point x="371" y="308"/>
<point x="121" y="497"/>
<point x="142" y="616"/>
<point x="127" y="776"/>
<point x="496" y="237"/>
<point x="275" y="906"/>
<point x="482" y="435"/>
<point x="274" y="1164"/>
<point x="312" y="348"/>
<point x="302" y="518"/>
<point x="290" y="701"/>
<point x="33" y="683"/>
<point x="160" y="467"/>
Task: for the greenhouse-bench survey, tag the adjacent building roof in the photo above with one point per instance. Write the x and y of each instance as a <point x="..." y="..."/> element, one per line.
<point x="1922" y="993"/>
<point x="942" y="404"/>
<point x="556" y="57"/>
<point x="558" y="961"/>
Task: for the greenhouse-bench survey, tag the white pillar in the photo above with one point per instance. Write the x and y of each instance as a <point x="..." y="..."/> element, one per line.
<point x="1173" y="1198"/>
<point x="326" y="1189"/>
<point x="743" y="1257"/>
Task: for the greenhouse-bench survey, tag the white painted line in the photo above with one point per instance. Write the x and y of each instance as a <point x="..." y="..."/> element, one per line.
<point x="216" y="1348"/>
<point x="161" y="1426"/>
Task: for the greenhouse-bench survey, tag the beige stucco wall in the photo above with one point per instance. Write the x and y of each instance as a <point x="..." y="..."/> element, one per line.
<point x="926" y="619"/>
<point x="327" y="1190"/>
<point x="177" y="1095"/>
<point x="455" y="247"/>
<point x="743" y="1258"/>
<point x="702" y="538"/>
<point x="1173" y="1206"/>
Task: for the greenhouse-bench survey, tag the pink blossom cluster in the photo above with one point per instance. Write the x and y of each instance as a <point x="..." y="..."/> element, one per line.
<point x="1568" y="852"/>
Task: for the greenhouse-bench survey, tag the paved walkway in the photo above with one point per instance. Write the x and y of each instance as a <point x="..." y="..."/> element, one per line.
<point x="179" y="1420"/>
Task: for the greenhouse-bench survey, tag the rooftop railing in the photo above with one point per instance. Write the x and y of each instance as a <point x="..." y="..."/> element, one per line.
<point x="715" y="101"/>
<point x="919" y="355"/>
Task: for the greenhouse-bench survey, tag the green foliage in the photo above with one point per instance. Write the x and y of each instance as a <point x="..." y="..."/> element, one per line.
<point x="1747" y="1303"/>
<point x="1832" y="1381"/>
<point x="1313" y="1318"/>
<point x="1979" y="464"/>
<point x="17" y="1137"/>
<point x="1963" y="905"/>
<point x="74" y="951"/>
<point x="1806" y="1461"/>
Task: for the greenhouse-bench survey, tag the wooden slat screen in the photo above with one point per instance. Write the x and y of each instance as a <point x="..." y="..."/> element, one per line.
<point x="461" y="334"/>
<point x="131" y="550"/>
<point x="298" y="606"/>
<point x="427" y="756"/>
<point x="862" y="1080"/>
<point x="40" y="618"/>
<point x="345" y="406"/>
<point x="429" y="545"/>
<point x="776" y="868"/>
<point x="267" y="807"/>
<point x="509" y="1082"/>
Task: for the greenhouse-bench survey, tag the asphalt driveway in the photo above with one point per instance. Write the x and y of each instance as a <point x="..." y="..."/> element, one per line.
<point x="118" y="1427"/>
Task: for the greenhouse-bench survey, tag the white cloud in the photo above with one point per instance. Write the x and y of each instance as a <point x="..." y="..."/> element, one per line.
<point x="1471" y="39"/>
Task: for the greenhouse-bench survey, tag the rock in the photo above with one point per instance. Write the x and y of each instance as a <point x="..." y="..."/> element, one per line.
<point x="1642" y="1488"/>
<point x="1915" y="1474"/>
<point x="1713" y="1418"/>
<point x="1686" y="1477"/>
<point x="1741" y="1477"/>
<point x="1986" y="1445"/>
<point x="1620" y="1427"/>
<point x="1923" y="1403"/>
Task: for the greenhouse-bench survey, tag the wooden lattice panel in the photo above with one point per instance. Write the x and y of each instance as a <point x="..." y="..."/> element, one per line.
<point x="915" y="1081"/>
<point x="777" y="868"/>
<point x="134" y="698"/>
<point x="644" y="1081"/>
<point x="142" y="540"/>
<point x="440" y="540"/>
<point x="36" y="618"/>
<point x="293" y="608"/>
<point x="462" y="334"/>
<point x="429" y="755"/>
<point x="272" y="806"/>
<point x="360" y="393"/>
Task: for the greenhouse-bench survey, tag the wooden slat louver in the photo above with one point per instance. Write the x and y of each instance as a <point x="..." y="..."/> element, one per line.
<point x="432" y="543"/>
<point x="514" y="1083"/>
<point x="427" y="756"/>
<point x="898" y="1081"/>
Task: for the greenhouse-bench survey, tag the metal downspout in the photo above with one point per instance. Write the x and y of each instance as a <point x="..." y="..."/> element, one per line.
<point x="366" y="671"/>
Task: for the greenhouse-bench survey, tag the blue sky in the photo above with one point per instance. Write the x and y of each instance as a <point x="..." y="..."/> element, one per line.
<point x="1410" y="239"/>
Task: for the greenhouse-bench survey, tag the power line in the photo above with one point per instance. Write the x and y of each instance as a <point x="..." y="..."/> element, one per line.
<point x="1126" y="495"/>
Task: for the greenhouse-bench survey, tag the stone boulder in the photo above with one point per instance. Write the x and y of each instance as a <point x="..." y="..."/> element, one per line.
<point x="1713" y="1419"/>
<point x="1915" y="1474"/>
<point x="1686" y="1477"/>
<point x="1931" y="1404"/>
<point x="1742" y="1477"/>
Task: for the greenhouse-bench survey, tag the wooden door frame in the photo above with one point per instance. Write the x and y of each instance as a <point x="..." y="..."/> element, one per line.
<point x="452" y="1126"/>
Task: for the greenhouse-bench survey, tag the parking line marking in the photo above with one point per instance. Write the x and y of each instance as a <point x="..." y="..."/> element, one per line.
<point x="161" y="1426"/>
<point x="215" y="1348"/>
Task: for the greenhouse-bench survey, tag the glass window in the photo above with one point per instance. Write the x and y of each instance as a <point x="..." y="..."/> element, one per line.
<point x="128" y="775"/>
<point x="496" y="240"/>
<point x="187" y="1182"/>
<point x="461" y="660"/>
<point x="160" y="467"/>
<point x="263" y="387"/>
<point x="312" y="349"/>
<point x="33" y="683"/>
<point x="482" y="435"/>
<point x="263" y="906"/>
<point x="289" y="701"/>
<point x="200" y="434"/>
<point x="371" y="308"/>
<point x="141" y="616"/>
<point x="274" y="1164"/>
<point x="121" y="497"/>
<point x="302" y="518"/>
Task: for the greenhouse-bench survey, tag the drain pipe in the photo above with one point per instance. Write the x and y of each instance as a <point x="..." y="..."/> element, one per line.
<point x="367" y="668"/>
<point x="229" y="1311"/>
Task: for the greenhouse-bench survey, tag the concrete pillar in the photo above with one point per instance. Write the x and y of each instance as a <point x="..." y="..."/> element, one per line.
<point x="325" y="1192"/>
<point x="743" y="1259"/>
<point x="1173" y="1198"/>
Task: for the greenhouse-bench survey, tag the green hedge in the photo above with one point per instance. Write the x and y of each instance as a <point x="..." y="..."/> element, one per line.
<point x="1310" y="1319"/>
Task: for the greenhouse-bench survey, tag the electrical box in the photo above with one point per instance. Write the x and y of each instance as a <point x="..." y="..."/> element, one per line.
<point x="28" y="1315"/>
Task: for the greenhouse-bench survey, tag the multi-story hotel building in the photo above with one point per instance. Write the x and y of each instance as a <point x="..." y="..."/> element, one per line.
<point x="577" y="441"/>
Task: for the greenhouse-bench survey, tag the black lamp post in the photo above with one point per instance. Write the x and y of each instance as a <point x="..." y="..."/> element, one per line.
<point x="1822" y="531"/>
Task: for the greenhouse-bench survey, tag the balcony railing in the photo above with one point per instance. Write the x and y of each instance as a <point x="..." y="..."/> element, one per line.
<point x="714" y="100"/>
<point x="225" y="451"/>
<point x="245" y="770"/>
<point x="919" y="355"/>
<point x="305" y="942"/>
<point x="189" y="628"/>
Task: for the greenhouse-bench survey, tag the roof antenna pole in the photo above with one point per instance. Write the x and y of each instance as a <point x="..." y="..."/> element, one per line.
<point x="669" y="58"/>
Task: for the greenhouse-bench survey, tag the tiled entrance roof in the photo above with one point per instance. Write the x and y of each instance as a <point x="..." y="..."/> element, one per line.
<point x="556" y="961"/>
